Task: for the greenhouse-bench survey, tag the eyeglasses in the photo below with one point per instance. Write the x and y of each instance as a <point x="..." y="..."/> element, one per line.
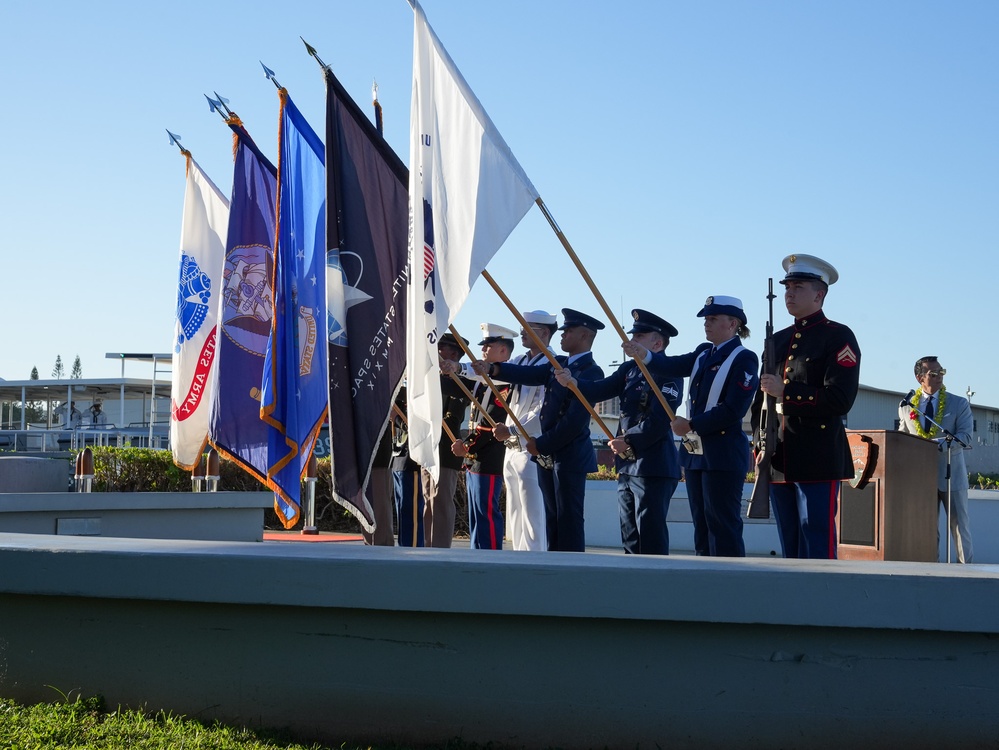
<point x="936" y="373"/>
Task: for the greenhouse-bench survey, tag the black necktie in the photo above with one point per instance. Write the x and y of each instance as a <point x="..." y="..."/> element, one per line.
<point x="927" y="414"/>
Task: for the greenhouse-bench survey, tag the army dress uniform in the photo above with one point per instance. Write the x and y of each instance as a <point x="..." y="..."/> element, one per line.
<point x="564" y="438"/>
<point x="440" y="509"/>
<point x="820" y="363"/>
<point x="646" y="481"/>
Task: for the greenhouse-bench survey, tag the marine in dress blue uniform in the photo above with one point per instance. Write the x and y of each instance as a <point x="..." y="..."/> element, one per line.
<point x="722" y="385"/>
<point x="646" y="458"/>
<point x="817" y="380"/>
<point x="565" y="431"/>
<point x="484" y="454"/>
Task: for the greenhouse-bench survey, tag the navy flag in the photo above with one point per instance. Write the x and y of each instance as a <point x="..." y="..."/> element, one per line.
<point x="236" y="429"/>
<point x="366" y="265"/>
<point x="295" y="383"/>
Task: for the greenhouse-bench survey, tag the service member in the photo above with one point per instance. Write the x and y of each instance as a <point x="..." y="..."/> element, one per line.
<point x="564" y="442"/>
<point x="715" y="457"/>
<point x="816" y="383"/>
<point x="440" y="510"/>
<point x="406" y="485"/>
<point x="644" y="450"/>
<point x="525" y="505"/>
<point x="482" y="452"/>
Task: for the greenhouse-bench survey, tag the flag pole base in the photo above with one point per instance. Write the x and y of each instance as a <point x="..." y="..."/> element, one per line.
<point x="310" y="531"/>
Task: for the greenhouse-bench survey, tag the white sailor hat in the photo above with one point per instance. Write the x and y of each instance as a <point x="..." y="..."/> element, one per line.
<point x="540" y="317"/>
<point x="492" y="333"/>
<point x="719" y="305"/>
<point x="804" y="267"/>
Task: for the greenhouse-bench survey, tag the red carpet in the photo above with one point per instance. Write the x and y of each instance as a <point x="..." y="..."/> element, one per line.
<point x="298" y="536"/>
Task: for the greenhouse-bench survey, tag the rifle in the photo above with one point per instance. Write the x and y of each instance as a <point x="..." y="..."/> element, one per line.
<point x="766" y="440"/>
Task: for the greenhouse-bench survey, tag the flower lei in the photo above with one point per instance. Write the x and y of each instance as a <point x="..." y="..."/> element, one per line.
<point x="917" y="416"/>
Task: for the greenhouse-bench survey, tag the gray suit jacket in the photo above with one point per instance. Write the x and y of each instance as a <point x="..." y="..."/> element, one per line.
<point x="958" y="420"/>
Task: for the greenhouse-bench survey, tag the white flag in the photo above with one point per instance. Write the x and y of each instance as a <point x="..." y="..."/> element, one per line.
<point x="473" y="195"/>
<point x="202" y="256"/>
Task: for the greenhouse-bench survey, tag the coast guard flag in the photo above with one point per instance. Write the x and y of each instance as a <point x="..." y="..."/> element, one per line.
<point x="366" y="272"/>
<point x="202" y="250"/>
<point x="295" y="385"/>
<point x="247" y="301"/>
<point x="467" y="193"/>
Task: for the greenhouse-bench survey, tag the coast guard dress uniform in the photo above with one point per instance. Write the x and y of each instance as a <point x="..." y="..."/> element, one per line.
<point x="564" y="439"/>
<point x="819" y="360"/>
<point x="647" y="480"/>
<point x="723" y="384"/>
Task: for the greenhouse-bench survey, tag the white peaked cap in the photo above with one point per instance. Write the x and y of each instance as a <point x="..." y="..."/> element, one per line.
<point x="492" y="332"/>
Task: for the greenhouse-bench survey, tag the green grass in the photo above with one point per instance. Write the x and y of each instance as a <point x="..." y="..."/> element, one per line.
<point x="84" y="724"/>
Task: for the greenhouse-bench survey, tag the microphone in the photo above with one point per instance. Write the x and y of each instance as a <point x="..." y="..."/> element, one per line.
<point x="908" y="398"/>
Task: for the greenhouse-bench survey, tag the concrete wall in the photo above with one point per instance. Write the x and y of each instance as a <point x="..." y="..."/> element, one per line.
<point x="603" y="526"/>
<point x="28" y="474"/>
<point x="603" y="522"/>
<point x="341" y="642"/>
<point x="221" y="516"/>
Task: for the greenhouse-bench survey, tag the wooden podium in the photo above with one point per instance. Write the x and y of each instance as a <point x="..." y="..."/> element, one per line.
<point x="893" y="514"/>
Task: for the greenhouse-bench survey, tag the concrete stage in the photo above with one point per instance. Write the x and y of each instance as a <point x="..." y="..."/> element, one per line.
<point x="345" y="642"/>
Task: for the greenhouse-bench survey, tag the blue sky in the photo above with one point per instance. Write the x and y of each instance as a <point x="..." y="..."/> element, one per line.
<point x="683" y="147"/>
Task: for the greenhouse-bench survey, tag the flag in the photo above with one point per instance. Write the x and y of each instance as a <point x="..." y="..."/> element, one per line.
<point x="202" y="251"/>
<point x="295" y="385"/>
<point x="236" y="429"/>
<point x="366" y="267"/>
<point x="467" y="193"/>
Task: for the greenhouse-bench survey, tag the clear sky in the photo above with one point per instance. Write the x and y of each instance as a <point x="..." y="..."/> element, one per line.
<point x="684" y="148"/>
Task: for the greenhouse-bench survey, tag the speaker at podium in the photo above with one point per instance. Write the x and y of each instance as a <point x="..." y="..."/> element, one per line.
<point x="888" y="511"/>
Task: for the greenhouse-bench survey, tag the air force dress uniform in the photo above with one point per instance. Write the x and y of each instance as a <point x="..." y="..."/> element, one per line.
<point x="723" y="383"/>
<point x="646" y="480"/>
<point x="820" y="363"/>
<point x="565" y="438"/>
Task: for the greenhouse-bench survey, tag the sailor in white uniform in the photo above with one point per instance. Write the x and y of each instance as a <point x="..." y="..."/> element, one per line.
<point x="525" y="506"/>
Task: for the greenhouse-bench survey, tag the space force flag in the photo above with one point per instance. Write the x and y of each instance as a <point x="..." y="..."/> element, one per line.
<point x="202" y="253"/>
<point x="294" y="386"/>
<point x="467" y="193"/>
<point x="236" y="429"/>
<point x="366" y="271"/>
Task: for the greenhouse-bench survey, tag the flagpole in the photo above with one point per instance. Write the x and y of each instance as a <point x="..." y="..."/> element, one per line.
<point x="603" y="304"/>
<point x="402" y="415"/>
<point x="489" y="382"/>
<point x="175" y="141"/>
<point x="544" y="350"/>
<point x="474" y="401"/>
